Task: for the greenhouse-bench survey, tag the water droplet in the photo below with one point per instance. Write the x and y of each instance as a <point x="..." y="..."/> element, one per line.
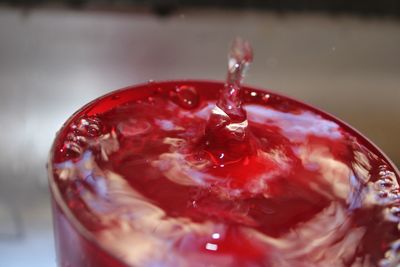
<point x="115" y="97"/>
<point x="186" y="96"/>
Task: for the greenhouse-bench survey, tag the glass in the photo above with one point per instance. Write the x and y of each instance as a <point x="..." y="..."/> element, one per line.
<point x="78" y="246"/>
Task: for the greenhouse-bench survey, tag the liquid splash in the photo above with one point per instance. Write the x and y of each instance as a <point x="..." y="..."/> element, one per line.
<point x="227" y="139"/>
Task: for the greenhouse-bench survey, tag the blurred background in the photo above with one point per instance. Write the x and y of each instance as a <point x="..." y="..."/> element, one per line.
<point x="340" y="55"/>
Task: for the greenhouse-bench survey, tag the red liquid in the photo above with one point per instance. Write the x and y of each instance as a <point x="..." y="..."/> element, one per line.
<point x="140" y="181"/>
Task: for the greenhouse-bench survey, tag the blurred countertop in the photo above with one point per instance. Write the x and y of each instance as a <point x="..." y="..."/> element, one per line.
<point x="54" y="61"/>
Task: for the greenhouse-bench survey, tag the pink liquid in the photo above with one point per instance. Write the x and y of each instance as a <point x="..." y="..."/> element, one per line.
<point x="141" y="180"/>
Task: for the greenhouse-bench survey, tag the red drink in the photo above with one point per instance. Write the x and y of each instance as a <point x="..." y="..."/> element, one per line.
<point x="140" y="178"/>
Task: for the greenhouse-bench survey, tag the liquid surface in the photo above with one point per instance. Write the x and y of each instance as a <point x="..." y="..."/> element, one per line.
<point x="136" y="171"/>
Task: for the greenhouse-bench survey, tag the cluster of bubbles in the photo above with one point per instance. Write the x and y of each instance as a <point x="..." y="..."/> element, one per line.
<point x="392" y="255"/>
<point x="80" y="134"/>
<point x="388" y="192"/>
<point x="388" y="195"/>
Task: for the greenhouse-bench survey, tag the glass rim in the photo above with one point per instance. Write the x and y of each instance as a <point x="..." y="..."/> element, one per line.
<point x="90" y="237"/>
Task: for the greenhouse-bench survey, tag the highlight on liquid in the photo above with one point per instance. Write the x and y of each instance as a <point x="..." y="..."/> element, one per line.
<point x="139" y="179"/>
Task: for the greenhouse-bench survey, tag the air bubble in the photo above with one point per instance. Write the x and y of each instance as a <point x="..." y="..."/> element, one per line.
<point x="388" y="197"/>
<point x="383" y="194"/>
<point x="80" y="140"/>
<point x="383" y="167"/>
<point x="384" y="184"/>
<point x="89" y="126"/>
<point x="71" y="149"/>
<point x="394" y="195"/>
<point x="186" y="96"/>
<point x="392" y="213"/>
<point x="392" y="256"/>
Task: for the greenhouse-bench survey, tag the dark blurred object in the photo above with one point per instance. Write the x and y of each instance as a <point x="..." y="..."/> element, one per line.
<point x="165" y="7"/>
